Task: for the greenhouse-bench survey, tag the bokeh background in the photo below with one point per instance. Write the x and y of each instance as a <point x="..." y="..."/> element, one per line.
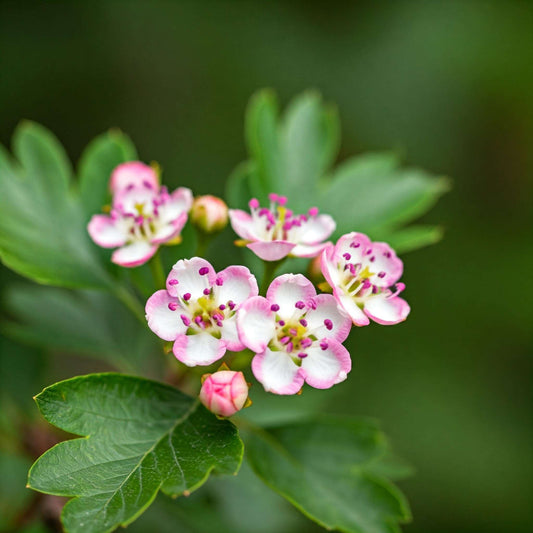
<point x="449" y="84"/>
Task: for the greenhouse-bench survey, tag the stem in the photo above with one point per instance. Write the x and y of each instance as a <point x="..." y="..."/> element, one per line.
<point x="268" y="274"/>
<point x="130" y="301"/>
<point x="157" y="271"/>
<point x="202" y="244"/>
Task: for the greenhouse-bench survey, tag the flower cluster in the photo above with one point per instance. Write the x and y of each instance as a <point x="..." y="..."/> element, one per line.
<point x="294" y="334"/>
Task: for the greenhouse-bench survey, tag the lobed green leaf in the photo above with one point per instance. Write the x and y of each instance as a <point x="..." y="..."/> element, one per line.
<point x="141" y="437"/>
<point x="325" y="468"/>
<point x="43" y="233"/>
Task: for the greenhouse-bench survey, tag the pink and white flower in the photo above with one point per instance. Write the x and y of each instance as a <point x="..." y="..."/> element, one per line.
<point x="142" y="217"/>
<point x="296" y="335"/>
<point x="224" y="393"/>
<point x="276" y="232"/>
<point x="362" y="274"/>
<point x="197" y="311"/>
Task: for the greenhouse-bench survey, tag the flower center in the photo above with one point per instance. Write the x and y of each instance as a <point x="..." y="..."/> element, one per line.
<point x="277" y="222"/>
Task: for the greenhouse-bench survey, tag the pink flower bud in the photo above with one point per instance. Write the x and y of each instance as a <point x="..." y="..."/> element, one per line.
<point x="224" y="392"/>
<point x="209" y="213"/>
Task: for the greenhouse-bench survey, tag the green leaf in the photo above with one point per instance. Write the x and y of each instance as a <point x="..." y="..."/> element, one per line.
<point x="97" y="162"/>
<point x="81" y="322"/>
<point x="261" y="133"/>
<point x="324" y="468"/>
<point x="412" y="237"/>
<point x="368" y="194"/>
<point x="13" y="495"/>
<point x="142" y="437"/>
<point x="43" y="232"/>
<point x="292" y="155"/>
<point x="310" y="136"/>
<point x="238" y="191"/>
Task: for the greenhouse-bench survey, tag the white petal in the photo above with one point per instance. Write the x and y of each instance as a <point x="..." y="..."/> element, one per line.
<point x="277" y="372"/>
<point x="162" y="321"/>
<point x="255" y="323"/>
<point x="387" y="311"/>
<point x="308" y="250"/>
<point x="230" y="335"/>
<point x="106" y="232"/>
<point x="350" y="306"/>
<point x="327" y="308"/>
<point x="325" y="368"/>
<point x="242" y="224"/>
<point x="238" y="284"/>
<point x="134" y="254"/>
<point x="317" y="229"/>
<point x="187" y="274"/>
<point x="202" y="349"/>
<point x="287" y="290"/>
<point x="180" y="202"/>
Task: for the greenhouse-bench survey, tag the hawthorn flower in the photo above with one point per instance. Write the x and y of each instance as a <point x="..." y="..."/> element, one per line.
<point x="197" y="311"/>
<point x="362" y="274"/>
<point x="143" y="215"/>
<point x="209" y="213"/>
<point x="296" y="335"/>
<point x="276" y="232"/>
<point x="224" y="393"/>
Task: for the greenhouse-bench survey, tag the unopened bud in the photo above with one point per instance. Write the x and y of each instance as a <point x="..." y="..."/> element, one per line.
<point x="133" y="174"/>
<point x="224" y="393"/>
<point x="209" y="213"/>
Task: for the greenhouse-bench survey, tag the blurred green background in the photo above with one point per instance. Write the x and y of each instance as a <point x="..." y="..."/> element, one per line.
<point x="449" y="84"/>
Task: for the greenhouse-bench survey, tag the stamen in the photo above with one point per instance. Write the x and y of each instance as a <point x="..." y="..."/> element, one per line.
<point x="274" y="307"/>
<point x="172" y="306"/>
<point x="199" y="321"/>
<point x="293" y="332"/>
<point x="281" y="323"/>
<point x="185" y="320"/>
<point x="306" y="342"/>
<point x="369" y="251"/>
<point x="382" y="274"/>
<point x="222" y="307"/>
<point x="324" y="344"/>
<point x="313" y="212"/>
<point x="299" y="304"/>
<point x="312" y="304"/>
<point x="399" y="288"/>
<point x="328" y="323"/>
<point x="303" y="322"/>
<point x="231" y="305"/>
<point x="203" y="271"/>
<point x="207" y="292"/>
<point x="302" y="355"/>
<point x="347" y="256"/>
<point x="387" y="254"/>
<point x="285" y="340"/>
<point x="253" y="203"/>
<point x="372" y="259"/>
<point x="355" y="244"/>
<point x="273" y="197"/>
<point x="282" y="200"/>
<point x="219" y="282"/>
<point x="187" y="296"/>
<point x="147" y="184"/>
<point x="289" y="347"/>
<point x="173" y="281"/>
